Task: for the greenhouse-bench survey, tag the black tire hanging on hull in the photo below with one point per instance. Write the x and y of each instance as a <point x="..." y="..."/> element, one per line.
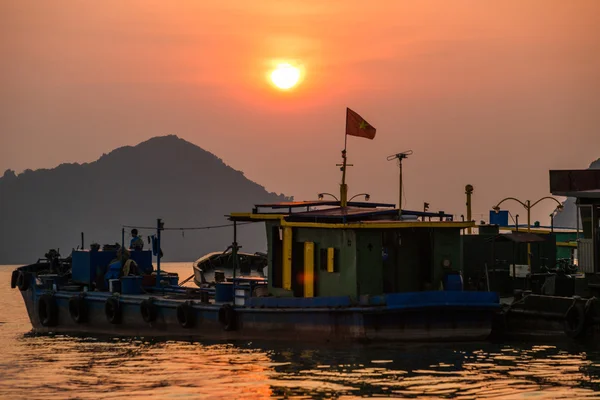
<point x="23" y="280"/>
<point x="149" y="311"/>
<point x="47" y="310"/>
<point x="78" y="309"/>
<point x="575" y="324"/>
<point x="185" y="315"/>
<point x="227" y="317"/>
<point x="112" y="309"/>
<point x="13" y="278"/>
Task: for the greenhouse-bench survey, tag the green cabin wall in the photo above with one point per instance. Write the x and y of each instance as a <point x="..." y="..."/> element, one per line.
<point x="369" y="263"/>
<point x="403" y="268"/>
<point x="414" y="261"/>
<point x="564" y="252"/>
<point x="415" y="258"/>
<point x="343" y="282"/>
<point x="447" y="245"/>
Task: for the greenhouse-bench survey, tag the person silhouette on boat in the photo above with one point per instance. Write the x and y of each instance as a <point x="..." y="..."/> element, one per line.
<point x="137" y="243"/>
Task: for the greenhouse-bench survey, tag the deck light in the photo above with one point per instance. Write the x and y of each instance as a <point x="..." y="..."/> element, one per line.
<point x="321" y="195"/>
<point x="528" y="206"/>
<point x="367" y="196"/>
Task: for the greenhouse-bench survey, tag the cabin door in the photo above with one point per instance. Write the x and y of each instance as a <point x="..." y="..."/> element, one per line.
<point x="298" y="269"/>
<point x="276" y="272"/>
<point x="596" y="241"/>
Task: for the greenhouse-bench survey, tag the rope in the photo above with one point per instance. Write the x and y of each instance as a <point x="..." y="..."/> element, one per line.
<point x="187" y="229"/>
<point x="186" y="281"/>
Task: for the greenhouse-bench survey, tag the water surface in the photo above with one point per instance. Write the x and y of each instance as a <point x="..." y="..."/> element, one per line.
<point x="60" y="367"/>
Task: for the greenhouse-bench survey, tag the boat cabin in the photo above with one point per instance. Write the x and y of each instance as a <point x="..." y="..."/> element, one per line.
<point x="319" y="248"/>
<point x="584" y="186"/>
<point x="92" y="267"/>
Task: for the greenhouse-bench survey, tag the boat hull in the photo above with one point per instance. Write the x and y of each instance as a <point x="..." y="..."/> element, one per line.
<point x="348" y="323"/>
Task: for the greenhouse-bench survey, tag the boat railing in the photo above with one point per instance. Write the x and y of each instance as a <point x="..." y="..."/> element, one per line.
<point x="244" y="287"/>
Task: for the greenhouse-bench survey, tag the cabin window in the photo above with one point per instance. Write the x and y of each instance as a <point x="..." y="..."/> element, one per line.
<point x="329" y="259"/>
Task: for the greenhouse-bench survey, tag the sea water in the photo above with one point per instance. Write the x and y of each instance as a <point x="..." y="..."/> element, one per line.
<point x="63" y="367"/>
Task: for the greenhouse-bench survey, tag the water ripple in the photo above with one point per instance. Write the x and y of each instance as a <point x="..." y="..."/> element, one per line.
<point x="59" y="367"/>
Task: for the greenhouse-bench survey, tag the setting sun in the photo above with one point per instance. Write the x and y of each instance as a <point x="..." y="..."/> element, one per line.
<point x="285" y="76"/>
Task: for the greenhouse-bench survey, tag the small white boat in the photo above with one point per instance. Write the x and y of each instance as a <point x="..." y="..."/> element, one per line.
<point x="218" y="267"/>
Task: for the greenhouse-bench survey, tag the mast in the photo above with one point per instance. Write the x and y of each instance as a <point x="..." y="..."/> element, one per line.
<point x="344" y="165"/>
<point x="343" y="186"/>
<point x="159" y="227"/>
<point x="400" y="157"/>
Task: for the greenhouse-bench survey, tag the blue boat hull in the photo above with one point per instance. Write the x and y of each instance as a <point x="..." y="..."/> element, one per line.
<point x="423" y="316"/>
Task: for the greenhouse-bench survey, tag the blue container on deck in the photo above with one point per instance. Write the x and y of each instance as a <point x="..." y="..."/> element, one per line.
<point x="224" y="292"/>
<point x="173" y="280"/>
<point x="131" y="285"/>
<point x="453" y="281"/>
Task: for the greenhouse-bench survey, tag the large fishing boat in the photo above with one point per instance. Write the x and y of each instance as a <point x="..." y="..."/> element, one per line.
<point x="337" y="270"/>
<point x="359" y="271"/>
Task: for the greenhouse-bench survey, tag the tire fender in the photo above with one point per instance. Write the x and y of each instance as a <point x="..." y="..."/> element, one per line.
<point x="149" y="310"/>
<point x="13" y="278"/>
<point x="575" y="321"/>
<point x="47" y="310"/>
<point x="185" y="315"/>
<point x="227" y="317"/>
<point x="23" y="280"/>
<point x="112" y="309"/>
<point x="78" y="309"/>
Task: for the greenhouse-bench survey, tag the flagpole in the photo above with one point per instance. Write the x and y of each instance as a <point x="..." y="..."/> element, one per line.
<point x="343" y="186"/>
<point x="345" y="140"/>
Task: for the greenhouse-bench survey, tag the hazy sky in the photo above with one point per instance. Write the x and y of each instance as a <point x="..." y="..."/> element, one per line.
<point x="493" y="93"/>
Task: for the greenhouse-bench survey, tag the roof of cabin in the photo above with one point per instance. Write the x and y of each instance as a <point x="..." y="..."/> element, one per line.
<point x="340" y="214"/>
<point x="316" y="203"/>
<point x="353" y="218"/>
<point x="517" y="237"/>
<point x="582" y="194"/>
<point x="575" y="183"/>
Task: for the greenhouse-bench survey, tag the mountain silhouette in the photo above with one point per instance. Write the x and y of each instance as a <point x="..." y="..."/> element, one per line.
<point x="165" y="177"/>
<point x="567" y="218"/>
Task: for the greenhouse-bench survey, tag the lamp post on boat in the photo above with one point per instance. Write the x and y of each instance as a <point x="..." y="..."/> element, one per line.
<point x="528" y="206"/>
<point x="367" y="196"/>
<point x="400" y="157"/>
<point x="469" y="192"/>
<point x="321" y="195"/>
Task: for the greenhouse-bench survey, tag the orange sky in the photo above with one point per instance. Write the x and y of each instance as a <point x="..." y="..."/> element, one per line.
<point x="492" y="93"/>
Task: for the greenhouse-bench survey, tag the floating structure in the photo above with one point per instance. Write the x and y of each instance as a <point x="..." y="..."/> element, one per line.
<point x="564" y="302"/>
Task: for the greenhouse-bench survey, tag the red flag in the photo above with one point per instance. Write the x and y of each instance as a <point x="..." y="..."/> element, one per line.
<point x="357" y="126"/>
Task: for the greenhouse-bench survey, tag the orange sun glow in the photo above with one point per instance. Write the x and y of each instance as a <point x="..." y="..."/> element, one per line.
<point x="285" y="76"/>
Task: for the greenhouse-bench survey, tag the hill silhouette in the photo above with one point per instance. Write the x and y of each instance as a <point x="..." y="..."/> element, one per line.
<point x="164" y="177"/>
<point x="568" y="217"/>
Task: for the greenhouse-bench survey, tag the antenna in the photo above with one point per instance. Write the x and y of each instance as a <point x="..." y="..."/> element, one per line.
<point x="400" y="156"/>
